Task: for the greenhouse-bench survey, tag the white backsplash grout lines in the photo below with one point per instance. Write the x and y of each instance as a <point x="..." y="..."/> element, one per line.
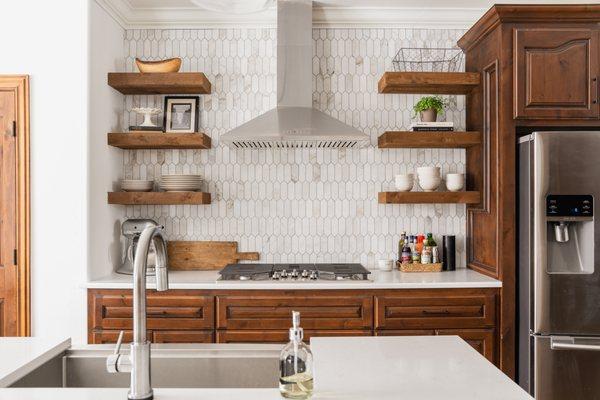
<point x="300" y="205"/>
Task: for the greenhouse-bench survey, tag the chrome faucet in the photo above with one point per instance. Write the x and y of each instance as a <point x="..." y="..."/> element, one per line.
<point x="138" y="361"/>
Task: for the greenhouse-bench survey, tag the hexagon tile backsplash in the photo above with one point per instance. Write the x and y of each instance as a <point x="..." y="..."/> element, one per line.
<point x="297" y="205"/>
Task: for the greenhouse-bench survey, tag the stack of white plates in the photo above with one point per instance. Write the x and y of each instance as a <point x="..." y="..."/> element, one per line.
<point x="180" y="183"/>
<point x="136" y="185"/>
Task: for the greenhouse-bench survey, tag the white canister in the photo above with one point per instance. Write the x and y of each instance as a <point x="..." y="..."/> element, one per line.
<point x="386" y="265"/>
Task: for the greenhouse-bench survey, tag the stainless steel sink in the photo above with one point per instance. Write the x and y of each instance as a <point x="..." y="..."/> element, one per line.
<point x="173" y="366"/>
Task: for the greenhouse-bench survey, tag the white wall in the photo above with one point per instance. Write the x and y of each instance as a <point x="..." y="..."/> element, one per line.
<point x="48" y="41"/>
<point x="105" y="162"/>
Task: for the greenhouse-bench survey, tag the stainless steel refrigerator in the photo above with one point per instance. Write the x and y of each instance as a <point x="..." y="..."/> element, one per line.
<point x="559" y="271"/>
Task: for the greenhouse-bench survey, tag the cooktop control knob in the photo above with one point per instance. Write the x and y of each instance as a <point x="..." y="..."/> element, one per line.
<point x="284" y="274"/>
<point x="275" y="275"/>
<point x="294" y="273"/>
<point x="314" y="275"/>
<point x="304" y="273"/>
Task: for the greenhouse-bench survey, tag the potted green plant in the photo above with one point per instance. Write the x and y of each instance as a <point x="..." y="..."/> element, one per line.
<point x="429" y="107"/>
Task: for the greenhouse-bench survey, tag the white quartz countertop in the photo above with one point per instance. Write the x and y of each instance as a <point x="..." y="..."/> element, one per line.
<point x="19" y="356"/>
<point x="357" y="368"/>
<point x="462" y="278"/>
<point x="407" y="367"/>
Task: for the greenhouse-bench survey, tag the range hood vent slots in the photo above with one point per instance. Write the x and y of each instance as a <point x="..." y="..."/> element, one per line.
<point x="294" y="123"/>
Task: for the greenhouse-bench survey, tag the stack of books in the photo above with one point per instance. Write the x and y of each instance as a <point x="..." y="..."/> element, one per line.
<point x="432" y="126"/>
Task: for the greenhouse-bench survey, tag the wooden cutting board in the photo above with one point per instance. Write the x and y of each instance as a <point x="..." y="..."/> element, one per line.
<point x="205" y="255"/>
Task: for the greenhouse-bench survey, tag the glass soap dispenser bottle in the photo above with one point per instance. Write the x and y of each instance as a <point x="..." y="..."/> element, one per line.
<point x="295" y="364"/>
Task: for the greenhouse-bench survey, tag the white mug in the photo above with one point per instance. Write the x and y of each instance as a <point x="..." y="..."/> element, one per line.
<point x="386" y="265"/>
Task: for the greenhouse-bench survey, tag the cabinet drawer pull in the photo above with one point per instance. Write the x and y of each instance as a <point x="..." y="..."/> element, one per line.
<point x="595" y="84"/>
<point x="436" y="312"/>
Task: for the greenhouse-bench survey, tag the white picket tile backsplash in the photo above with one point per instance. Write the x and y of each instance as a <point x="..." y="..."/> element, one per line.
<point x="298" y="205"/>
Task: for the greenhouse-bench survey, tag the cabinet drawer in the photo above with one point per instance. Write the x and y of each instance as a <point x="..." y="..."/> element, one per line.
<point x="281" y="336"/>
<point x="275" y="312"/>
<point x="172" y="310"/>
<point x="182" y="337"/>
<point x="449" y="309"/>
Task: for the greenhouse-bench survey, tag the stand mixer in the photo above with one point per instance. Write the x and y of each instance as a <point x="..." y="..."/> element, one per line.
<point x="132" y="229"/>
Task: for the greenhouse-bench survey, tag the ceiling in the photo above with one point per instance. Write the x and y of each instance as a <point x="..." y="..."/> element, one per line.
<point x="334" y="13"/>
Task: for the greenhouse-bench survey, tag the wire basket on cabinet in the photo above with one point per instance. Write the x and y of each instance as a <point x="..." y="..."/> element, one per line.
<point x="423" y="59"/>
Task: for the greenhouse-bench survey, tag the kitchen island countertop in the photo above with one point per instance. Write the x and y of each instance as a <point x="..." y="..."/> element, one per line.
<point x="358" y="368"/>
<point x="461" y="278"/>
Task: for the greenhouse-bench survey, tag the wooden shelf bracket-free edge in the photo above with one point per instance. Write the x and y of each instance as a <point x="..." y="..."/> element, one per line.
<point x="159" y="140"/>
<point x="429" y="82"/>
<point x="159" y="83"/>
<point x="158" y="198"/>
<point x="429" y="140"/>
<point x="467" y="197"/>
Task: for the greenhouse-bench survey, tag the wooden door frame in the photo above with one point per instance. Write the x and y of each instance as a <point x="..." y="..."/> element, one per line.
<point x="19" y="85"/>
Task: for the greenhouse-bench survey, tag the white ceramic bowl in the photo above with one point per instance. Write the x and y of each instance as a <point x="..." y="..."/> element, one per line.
<point x="404" y="182"/>
<point x="428" y="171"/>
<point x="455" y="182"/>
<point x="429" y="183"/>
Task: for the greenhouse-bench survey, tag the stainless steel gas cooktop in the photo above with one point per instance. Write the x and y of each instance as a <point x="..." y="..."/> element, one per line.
<point x="294" y="272"/>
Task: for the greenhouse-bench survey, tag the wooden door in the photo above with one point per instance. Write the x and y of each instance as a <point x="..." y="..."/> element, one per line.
<point x="14" y="207"/>
<point x="8" y="228"/>
<point x="556" y="73"/>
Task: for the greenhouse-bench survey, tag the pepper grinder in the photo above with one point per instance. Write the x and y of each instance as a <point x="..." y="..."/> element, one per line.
<point x="449" y="249"/>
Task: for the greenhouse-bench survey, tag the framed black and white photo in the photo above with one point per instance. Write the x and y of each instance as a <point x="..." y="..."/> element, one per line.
<point x="181" y="114"/>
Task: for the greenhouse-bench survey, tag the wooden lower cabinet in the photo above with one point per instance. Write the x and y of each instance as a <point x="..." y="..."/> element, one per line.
<point x="241" y="336"/>
<point x="264" y="316"/>
<point x="182" y="337"/>
<point x="481" y="340"/>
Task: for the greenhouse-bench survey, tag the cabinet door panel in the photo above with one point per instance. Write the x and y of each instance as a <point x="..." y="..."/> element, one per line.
<point x="274" y="312"/>
<point x="111" y="336"/>
<point x="481" y="340"/>
<point x="183" y="337"/>
<point x="279" y="336"/>
<point x="556" y="73"/>
<point x="449" y="309"/>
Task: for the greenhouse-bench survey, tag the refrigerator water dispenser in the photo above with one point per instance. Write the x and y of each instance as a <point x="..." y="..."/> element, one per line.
<point x="570" y="234"/>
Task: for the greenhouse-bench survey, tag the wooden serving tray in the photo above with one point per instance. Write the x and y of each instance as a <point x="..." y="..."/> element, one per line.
<point x="437" y="267"/>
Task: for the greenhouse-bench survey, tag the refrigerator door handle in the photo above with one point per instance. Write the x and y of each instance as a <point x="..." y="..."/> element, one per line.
<point x="569" y="343"/>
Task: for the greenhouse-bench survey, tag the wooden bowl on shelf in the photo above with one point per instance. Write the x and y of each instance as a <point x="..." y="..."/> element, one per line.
<point x="169" y="65"/>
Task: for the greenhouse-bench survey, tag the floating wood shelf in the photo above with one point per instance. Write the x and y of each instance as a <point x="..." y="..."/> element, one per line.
<point x="159" y="83"/>
<point x="429" y="197"/>
<point x="158" y="198"/>
<point x="159" y="140"/>
<point x="430" y="140"/>
<point x="429" y="82"/>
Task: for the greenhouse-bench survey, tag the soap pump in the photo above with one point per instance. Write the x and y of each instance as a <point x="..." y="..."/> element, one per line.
<point x="295" y="364"/>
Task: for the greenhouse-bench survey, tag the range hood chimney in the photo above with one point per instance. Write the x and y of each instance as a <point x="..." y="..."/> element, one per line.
<point x="294" y="123"/>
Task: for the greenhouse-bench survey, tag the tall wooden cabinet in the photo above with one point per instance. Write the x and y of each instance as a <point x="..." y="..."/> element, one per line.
<point x="539" y="67"/>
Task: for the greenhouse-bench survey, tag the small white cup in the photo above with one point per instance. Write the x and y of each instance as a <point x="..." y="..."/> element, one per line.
<point x="404" y="182"/>
<point x="455" y="182"/>
<point x="386" y="265"/>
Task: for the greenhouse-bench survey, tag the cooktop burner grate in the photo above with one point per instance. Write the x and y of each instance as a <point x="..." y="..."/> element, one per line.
<point x="294" y="272"/>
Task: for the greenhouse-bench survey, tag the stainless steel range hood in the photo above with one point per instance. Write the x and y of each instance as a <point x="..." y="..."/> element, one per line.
<point x="294" y="123"/>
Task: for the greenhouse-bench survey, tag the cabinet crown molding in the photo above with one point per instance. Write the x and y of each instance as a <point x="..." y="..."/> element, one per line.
<point x="324" y="16"/>
<point x="502" y="13"/>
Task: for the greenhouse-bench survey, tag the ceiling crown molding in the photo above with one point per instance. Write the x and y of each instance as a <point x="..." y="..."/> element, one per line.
<point x="323" y="16"/>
